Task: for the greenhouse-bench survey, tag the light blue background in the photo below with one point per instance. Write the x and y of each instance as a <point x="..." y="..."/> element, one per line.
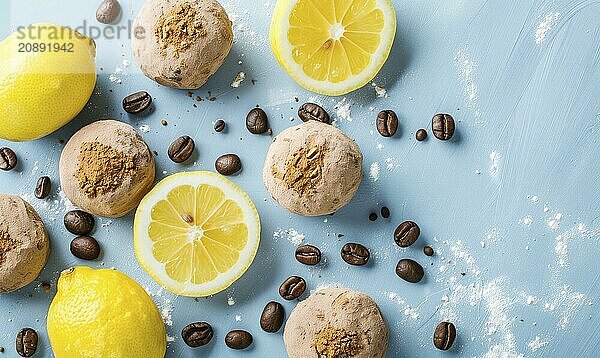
<point x="535" y="104"/>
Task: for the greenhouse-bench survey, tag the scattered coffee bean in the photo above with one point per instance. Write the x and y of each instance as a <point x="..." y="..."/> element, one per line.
<point x="181" y="149"/>
<point x="42" y="189"/>
<point x="292" y="288"/>
<point x="272" y="317"/>
<point x="8" y="159"/>
<point x="1" y="349"/>
<point x="313" y="112"/>
<point x="79" y="222"/>
<point x="228" y="164"/>
<point x="27" y="342"/>
<point x="308" y="255"/>
<point x="85" y="248"/>
<point x="219" y="125"/>
<point x="444" y="335"/>
<point x="385" y="212"/>
<point x="409" y="270"/>
<point x="238" y="339"/>
<point x="164" y="122"/>
<point x="355" y="254"/>
<point x="406" y="234"/>
<point x="428" y="250"/>
<point x="257" y="121"/>
<point x="137" y="102"/>
<point x="197" y="334"/>
<point x="387" y="123"/>
<point x="443" y="126"/>
<point x="108" y="11"/>
<point x="421" y="135"/>
<point x="372" y="217"/>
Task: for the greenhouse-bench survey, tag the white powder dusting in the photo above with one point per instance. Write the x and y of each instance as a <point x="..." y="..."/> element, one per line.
<point x="374" y="171"/>
<point x="564" y="302"/>
<point x="494" y="163"/>
<point x="534" y="198"/>
<point x="537" y="343"/>
<point x="390" y="163"/>
<point x="53" y="207"/>
<point x="498" y="322"/>
<point x="145" y="128"/>
<point x="545" y="26"/>
<point x="230" y="301"/>
<point x="492" y="235"/>
<point x="115" y="77"/>
<point x="531" y="300"/>
<point x="291" y="234"/>
<point x="238" y="318"/>
<point x="166" y="312"/>
<point x="381" y="92"/>
<point x="170" y="338"/>
<point x="554" y="221"/>
<point x="238" y="79"/>
<point x="343" y="110"/>
<point x="407" y="309"/>
<point x="380" y="146"/>
<point x="526" y="221"/>
<point x="466" y="70"/>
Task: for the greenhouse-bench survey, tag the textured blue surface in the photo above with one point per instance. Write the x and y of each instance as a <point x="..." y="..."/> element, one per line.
<point x="526" y="97"/>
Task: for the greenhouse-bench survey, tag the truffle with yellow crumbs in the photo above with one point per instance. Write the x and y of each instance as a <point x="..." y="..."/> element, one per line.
<point x="106" y="168"/>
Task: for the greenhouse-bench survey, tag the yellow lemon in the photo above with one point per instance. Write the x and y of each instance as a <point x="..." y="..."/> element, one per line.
<point x="104" y="313"/>
<point x="47" y="76"/>
<point x="332" y="47"/>
<point x="196" y="233"/>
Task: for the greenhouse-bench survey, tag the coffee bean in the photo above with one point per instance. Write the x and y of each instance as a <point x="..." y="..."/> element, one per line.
<point x="137" y="102"/>
<point x="27" y="342"/>
<point x="313" y="112"/>
<point x="238" y="339"/>
<point x="428" y="250"/>
<point x="443" y="126"/>
<point x="79" y="222"/>
<point x="272" y="317"/>
<point x="8" y="159"/>
<point x="385" y="212"/>
<point x="257" y="121"/>
<point x="181" y="149"/>
<point x="409" y="270"/>
<point x="421" y="135"/>
<point x="219" y="125"/>
<point x="85" y="248"/>
<point x="228" y="164"/>
<point x="444" y="335"/>
<point x="372" y="216"/>
<point x="406" y="234"/>
<point x="197" y="334"/>
<point x="355" y="254"/>
<point x="387" y="123"/>
<point x="308" y="254"/>
<point x="108" y="11"/>
<point x="292" y="288"/>
<point x="42" y="189"/>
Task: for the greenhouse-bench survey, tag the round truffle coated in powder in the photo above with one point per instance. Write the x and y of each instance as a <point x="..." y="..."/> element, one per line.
<point x="24" y="243"/>
<point x="313" y="169"/>
<point x="336" y="322"/>
<point x="184" y="42"/>
<point x="106" y="168"/>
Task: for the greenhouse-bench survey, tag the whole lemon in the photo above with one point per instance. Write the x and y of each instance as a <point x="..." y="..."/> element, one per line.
<point x="105" y="314"/>
<point x="48" y="74"/>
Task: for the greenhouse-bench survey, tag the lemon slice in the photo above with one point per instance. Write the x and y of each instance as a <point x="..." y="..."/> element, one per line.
<point x="332" y="47"/>
<point x="196" y="233"/>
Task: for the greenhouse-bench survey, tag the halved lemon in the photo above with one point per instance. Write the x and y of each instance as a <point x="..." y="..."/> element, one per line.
<point x="332" y="47"/>
<point x="196" y="233"/>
